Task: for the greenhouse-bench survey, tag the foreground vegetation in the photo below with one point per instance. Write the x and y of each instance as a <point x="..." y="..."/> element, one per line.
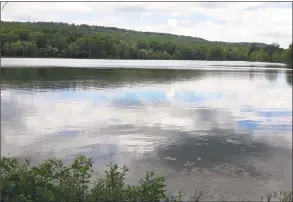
<point x="53" y="181"/>
<point x="48" y="39"/>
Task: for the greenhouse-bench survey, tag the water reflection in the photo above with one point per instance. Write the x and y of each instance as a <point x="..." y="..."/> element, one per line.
<point x="271" y="74"/>
<point x="289" y="78"/>
<point x="231" y="125"/>
<point x="72" y="78"/>
<point x="211" y="151"/>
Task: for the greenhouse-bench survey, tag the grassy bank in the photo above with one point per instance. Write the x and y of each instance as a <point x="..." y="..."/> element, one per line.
<point x="53" y="181"/>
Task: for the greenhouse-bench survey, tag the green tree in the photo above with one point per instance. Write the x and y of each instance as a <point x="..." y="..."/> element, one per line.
<point x="83" y="41"/>
<point x="7" y="50"/>
<point x="289" y="55"/>
<point x="17" y="49"/>
<point x="216" y="53"/>
<point x="260" y="55"/>
<point x="8" y="38"/>
<point x="30" y="49"/>
<point x="72" y="50"/>
<point x="177" y="55"/>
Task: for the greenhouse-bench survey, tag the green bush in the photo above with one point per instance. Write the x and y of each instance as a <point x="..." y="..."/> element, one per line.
<point x="53" y="181"/>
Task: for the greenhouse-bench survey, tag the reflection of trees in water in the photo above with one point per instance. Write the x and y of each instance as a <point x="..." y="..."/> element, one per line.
<point x="289" y="78"/>
<point x="45" y="78"/>
<point x="241" y="74"/>
<point x="271" y="74"/>
<point x="251" y="74"/>
<point x="81" y="77"/>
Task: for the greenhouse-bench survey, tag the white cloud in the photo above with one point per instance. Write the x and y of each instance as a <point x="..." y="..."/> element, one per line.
<point x="72" y="7"/>
<point x="172" y="22"/>
<point x="229" y="21"/>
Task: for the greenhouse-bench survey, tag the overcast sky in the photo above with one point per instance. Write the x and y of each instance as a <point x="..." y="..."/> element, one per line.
<point x="268" y="22"/>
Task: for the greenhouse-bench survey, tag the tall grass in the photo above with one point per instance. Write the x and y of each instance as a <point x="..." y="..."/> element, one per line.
<point x="51" y="180"/>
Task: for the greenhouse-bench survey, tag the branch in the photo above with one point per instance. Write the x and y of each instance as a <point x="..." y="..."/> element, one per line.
<point x="4" y="5"/>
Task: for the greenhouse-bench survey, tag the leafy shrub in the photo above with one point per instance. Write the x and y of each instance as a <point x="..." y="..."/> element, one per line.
<point x="53" y="181"/>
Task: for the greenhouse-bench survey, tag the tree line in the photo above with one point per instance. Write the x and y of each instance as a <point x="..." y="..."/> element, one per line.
<point x="50" y="39"/>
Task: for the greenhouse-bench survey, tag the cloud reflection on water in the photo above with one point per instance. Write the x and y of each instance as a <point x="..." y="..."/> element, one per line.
<point x="220" y="117"/>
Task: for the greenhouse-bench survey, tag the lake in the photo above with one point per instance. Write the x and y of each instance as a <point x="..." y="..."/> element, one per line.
<point x="224" y="128"/>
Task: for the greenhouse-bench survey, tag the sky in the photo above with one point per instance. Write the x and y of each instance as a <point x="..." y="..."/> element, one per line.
<point x="267" y="22"/>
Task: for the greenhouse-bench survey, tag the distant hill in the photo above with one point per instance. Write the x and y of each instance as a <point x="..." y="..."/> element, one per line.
<point x="57" y="39"/>
<point x="124" y="33"/>
<point x="261" y="45"/>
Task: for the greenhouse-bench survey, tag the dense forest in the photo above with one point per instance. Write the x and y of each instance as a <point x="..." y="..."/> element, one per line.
<point x="50" y="39"/>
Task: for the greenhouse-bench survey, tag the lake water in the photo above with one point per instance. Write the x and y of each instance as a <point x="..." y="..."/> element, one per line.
<point x="224" y="128"/>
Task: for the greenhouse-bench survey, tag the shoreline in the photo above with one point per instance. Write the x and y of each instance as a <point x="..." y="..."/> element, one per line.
<point x="141" y="64"/>
<point x="134" y="59"/>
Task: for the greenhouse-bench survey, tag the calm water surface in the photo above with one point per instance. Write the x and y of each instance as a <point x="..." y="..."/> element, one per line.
<point x="224" y="128"/>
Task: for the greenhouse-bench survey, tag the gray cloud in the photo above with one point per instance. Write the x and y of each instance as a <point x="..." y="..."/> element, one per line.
<point x="133" y="8"/>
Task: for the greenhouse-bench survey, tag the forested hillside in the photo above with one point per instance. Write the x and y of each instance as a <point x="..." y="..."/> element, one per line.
<point x="49" y="39"/>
